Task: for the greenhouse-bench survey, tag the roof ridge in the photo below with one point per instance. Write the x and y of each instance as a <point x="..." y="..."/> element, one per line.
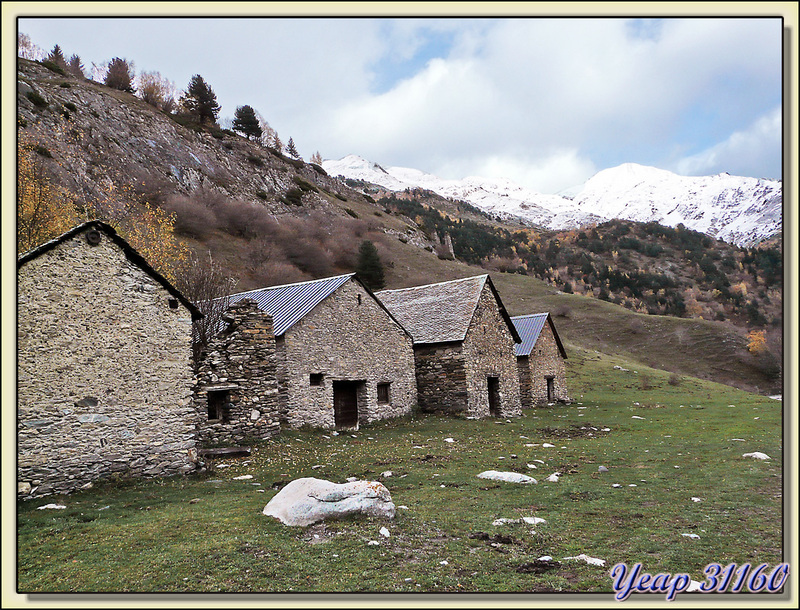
<point x="531" y="315"/>
<point x="322" y="279"/>
<point x="463" y="279"/>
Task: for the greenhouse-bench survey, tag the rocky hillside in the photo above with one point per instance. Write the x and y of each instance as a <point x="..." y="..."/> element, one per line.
<point x="268" y="219"/>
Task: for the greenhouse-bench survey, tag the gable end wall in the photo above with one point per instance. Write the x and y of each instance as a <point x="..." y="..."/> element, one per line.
<point x="104" y="376"/>
<point x="489" y="352"/>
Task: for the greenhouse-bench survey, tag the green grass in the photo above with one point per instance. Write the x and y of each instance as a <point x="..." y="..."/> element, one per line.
<point x="206" y="533"/>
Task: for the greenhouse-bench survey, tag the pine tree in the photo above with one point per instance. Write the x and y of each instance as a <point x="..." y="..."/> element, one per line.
<point x="316" y="158"/>
<point x="120" y="75"/>
<point x="57" y="57"/>
<point x="201" y="101"/>
<point x="291" y="149"/>
<point x="246" y="122"/>
<point x="75" y="67"/>
<point x="370" y="268"/>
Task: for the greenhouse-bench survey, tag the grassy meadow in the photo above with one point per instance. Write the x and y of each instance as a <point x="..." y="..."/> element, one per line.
<point x="664" y="439"/>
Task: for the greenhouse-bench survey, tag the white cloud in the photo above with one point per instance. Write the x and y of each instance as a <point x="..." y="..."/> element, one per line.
<point x="546" y="99"/>
<point x="551" y="173"/>
<point x="523" y="88"/>
<point x="754" y="152"/>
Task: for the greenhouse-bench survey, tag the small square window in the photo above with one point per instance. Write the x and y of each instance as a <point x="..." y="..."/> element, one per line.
<point x="383" y="393"/>
<point x="315" y="379"/>
<point x="217" y="405"/>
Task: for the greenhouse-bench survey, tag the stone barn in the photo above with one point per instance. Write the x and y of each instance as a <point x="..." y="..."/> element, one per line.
<point x="237" y="386"/>
<point x="104" y="371"/>
<point x="463" y="346"/>
<point x="342" y="358"/>
<point x="540" y="357"/>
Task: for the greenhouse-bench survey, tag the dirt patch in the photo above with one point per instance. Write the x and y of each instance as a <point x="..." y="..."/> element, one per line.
<point x="539" y="566"/>
<point x="317" y="534"/>
<point x="433" y="460"/>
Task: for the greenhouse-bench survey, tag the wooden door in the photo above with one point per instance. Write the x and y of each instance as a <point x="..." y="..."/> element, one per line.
<point x="494" y="396"/>
<point x="345" y="404"/>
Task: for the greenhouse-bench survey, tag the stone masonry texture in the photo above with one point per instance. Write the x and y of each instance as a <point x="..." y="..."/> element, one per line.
<point x="240" y="365"/>
<point x="348" y="336"/>
<point x="545" y="361"/>
<point x="104" y="371"/>
<point x="454" y="377"/>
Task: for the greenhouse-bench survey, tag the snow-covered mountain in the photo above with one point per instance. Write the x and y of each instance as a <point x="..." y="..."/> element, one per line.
<point x="735" y="209"/>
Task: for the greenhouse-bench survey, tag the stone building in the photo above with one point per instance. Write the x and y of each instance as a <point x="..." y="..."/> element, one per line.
<point x="540" y="357"/>
<point x="104" y="372"/>
<point x="237" y="387"/>
<point x="342" y="358"/>
<point x="463" y="346"/>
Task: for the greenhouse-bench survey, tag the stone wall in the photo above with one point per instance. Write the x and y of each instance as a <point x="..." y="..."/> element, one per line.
<point x="104" y="381"/>
<point x="441" y="377"/>
<point x="525" y="390"/>
<point x="545" y="362"/>
<point x="239" y="370"/>
<point x="348" y="336"/>
<point x="489" y="352"/>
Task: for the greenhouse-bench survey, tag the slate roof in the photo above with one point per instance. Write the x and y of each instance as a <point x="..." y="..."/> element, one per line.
<point x="130" y="253"/>
<point x="529" y="328"/>
<point x="290" y="303"/>
<point x="440" y="313"/>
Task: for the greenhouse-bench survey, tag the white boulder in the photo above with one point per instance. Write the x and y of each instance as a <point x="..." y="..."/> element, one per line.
<point x="757" y="455"/>
<point x="309" y="500"/>
<point x="508" y="477"/>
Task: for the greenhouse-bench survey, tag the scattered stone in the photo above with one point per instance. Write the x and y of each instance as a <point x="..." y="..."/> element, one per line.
<point x="54" y="506"/>
<point x="757" y="455"/>
<point x="373" y="543"/>
<point x="384" y="532"/>
<point x="444" y="563"/>
<point x="547" y="445"/>
<point x="387" y="473"/>
<point x="602" y="469"/>
<point x="636" y="417"/>
<point x="309" y="500"/>
<point x="692" y="536"/>
<point x="696" y="500"/>
<point x="590" y="560"/>
<point x="449" y="440"/>
<point x="194" y="500"/>
<point x="616" y="485"/>
<point x="244" y="477"/>
<point x="553" y="478"/>
<point x="508" y="477"/>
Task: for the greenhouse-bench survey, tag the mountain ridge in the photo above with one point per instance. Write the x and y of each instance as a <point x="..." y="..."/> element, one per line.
<point x="740" y="210"/>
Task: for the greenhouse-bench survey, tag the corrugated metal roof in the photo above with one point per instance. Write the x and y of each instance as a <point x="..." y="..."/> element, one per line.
<point x="529" y="328"/>
<point x="289" y="303"/>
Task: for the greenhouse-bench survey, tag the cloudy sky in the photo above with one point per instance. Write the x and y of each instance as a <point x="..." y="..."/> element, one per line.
<point x="545" y="102"/>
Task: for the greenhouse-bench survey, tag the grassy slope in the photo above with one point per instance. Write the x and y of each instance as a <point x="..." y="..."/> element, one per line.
<point x="206" y="532"/>
<point x="709" y="350"/>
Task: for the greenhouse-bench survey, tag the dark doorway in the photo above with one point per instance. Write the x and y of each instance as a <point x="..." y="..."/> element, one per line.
<point x="345" y="404"/>
<point x="494" y="396"/>
<point x="550" y="389"/>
